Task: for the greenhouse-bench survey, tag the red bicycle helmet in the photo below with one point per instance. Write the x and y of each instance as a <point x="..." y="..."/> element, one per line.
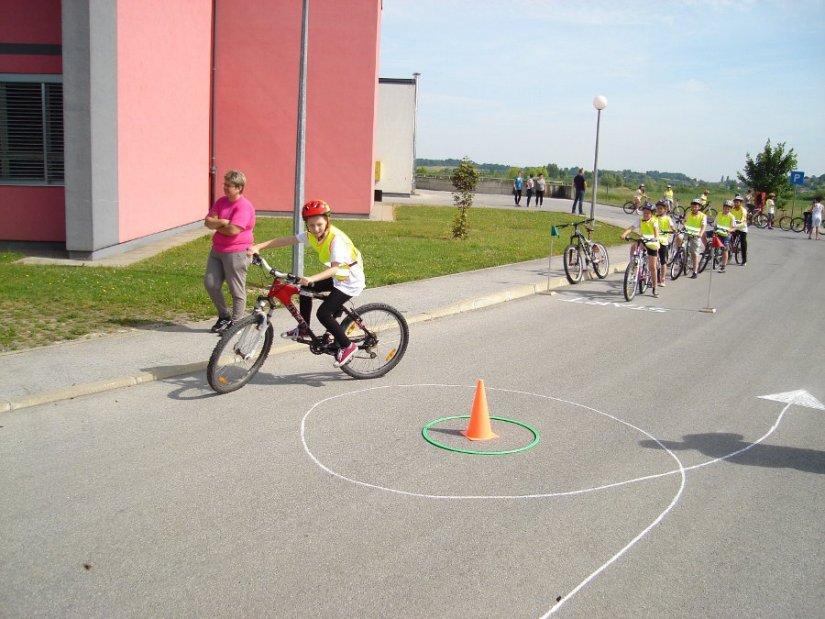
<point x="315" y="207"/>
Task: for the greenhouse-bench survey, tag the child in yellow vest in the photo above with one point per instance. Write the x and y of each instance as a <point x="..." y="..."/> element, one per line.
<point x="649" y="231"/>
<point x="343" y="278"/>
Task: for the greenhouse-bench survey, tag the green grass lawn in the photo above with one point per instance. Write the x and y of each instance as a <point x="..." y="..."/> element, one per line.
<point x="43" y="304"/>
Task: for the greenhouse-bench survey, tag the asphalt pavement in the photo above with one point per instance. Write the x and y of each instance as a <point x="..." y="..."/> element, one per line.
<point x="136" y="356"/>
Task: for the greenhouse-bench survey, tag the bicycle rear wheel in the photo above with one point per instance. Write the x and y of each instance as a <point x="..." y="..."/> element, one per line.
<point x="785" y="223"/>
<point x="381" y="342"/>
<point x="711" y="213"/>
<point x="601" y="261"/>
<point x="629" y="207"/>
<point x="644" y="276"/>
<point x="760" y="220"/>
<point x="679" y="210"/>
<point x="797" y="224"/>
<point x="631" y="279"/>
<point x="573" y="264"/>
<point x="239" y="354"/>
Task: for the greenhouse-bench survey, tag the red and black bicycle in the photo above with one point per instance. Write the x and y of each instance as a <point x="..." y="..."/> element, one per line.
<point x="379" y="330"/>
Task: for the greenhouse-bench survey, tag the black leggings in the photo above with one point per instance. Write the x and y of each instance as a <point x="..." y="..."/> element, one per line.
<point x="329" y="311"/>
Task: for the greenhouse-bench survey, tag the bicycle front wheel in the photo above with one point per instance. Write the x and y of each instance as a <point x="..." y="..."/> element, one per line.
<point x="679" y="210"/>
<point x="631" y="279"/>
<point x="736" y="249"/>
<point x="382" y="335"/>
<point x="760" y="220"/>
<point x="704" y="259"/>
<point x="711" y="213"/>
<point x="797" y="224"/>
<point x="677" y="264"/>
<point x="601" y="261"/>
<point x="239" y="354"/>
<point x="573" y="264"/>
<point x="629" y="207"/>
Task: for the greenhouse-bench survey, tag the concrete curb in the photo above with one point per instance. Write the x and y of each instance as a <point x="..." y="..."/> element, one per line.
<point x="468" y="305"/>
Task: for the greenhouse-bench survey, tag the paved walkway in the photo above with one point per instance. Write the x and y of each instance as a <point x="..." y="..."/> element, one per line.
<point x="72" y="369"/>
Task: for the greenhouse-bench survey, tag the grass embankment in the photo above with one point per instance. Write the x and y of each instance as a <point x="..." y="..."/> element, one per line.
<point x="43" y="304"/>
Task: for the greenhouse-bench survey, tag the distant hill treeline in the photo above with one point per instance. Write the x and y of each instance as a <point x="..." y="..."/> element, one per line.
<point x="613" y="178"/>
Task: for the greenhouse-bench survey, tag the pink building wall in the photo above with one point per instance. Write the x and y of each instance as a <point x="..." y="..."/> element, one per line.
<point x="163" y="104"/>
<point x="38" y="213"/>
<point x="256" y="107"/>
<point x="163" y="67"/>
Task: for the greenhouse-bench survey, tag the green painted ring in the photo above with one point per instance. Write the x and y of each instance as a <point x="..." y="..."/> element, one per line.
<point x="432" y="441"/>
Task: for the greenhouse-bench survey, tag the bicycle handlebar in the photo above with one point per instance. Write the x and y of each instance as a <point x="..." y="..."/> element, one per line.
<point x="258" y="259"/>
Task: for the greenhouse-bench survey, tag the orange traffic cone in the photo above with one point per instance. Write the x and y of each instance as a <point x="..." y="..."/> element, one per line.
<point x="479" y="427"/>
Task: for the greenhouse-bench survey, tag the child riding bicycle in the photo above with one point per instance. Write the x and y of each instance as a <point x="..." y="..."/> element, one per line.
<point x="343" y="279"/>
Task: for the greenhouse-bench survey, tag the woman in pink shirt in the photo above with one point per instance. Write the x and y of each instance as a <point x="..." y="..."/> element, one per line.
<point x="232" y="218"/>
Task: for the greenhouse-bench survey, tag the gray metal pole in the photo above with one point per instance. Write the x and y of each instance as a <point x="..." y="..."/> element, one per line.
<point x="300" y="149"/>
<point x="595" y="168"/>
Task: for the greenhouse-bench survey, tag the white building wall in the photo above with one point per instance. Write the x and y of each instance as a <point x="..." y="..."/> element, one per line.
<point x="395" y="135"/>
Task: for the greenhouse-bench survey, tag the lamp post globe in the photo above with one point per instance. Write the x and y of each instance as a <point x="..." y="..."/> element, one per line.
<point x="600" y="102"/>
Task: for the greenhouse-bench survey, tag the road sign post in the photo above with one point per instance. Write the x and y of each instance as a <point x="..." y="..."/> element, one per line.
<point x="797" y="178"/>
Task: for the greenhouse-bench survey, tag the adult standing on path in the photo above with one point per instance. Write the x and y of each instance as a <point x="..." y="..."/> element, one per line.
<point x="530" y="184"/>
<point x="579" y="185"/>
<point x="816" y="216"/>
<point x="518" y="184"/>
<point x="232" y="217"/>
<point x="541" y="187"/>
<point x="770" y="207"/>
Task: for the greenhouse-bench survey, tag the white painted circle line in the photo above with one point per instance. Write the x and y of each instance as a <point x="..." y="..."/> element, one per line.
<point x="681" y="470"/>
<point x="545" y="495"/>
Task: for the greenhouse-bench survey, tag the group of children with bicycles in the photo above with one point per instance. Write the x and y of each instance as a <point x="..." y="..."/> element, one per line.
<point x="661" y="235"/>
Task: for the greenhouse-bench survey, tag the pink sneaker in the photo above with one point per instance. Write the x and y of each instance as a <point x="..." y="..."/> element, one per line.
<point x="344" y="356"/>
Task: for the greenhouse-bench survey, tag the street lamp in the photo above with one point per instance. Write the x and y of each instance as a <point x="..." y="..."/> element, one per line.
<point x="599" y="102"/>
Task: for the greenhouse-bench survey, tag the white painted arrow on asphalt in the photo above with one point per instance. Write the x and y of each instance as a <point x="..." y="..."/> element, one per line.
<point x="800" y="397"/>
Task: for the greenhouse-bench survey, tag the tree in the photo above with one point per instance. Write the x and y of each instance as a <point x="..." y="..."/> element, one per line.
<point x="465" y="180"/>
<point x="770" y="171"/>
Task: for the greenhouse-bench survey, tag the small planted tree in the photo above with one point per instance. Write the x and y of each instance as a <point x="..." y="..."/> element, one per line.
<point x="769" y="172"/>
<point x="465" y="180"/>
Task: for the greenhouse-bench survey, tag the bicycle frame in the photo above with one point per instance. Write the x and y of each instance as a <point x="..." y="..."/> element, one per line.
<point x="283" y="288"/>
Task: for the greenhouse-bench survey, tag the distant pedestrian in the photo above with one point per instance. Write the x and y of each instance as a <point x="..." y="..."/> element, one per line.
<point x="518" y="184"/>
<point x="232" y="217"/>
<point x="529" y="186"/>
<point x="816" y="211"/>
<point x="541" y="187"/>
<point x="770" y="208"/>
<point x="579" y="185"/>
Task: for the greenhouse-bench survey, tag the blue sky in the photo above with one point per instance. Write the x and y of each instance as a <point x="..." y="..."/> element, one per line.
<point x="691" y="86"/>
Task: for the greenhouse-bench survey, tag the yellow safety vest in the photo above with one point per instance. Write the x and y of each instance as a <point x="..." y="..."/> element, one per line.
<point x="664" y="226"/>
<point x="647" y="229"/>
<point x="741" y="218"/>
<point x="669" y="194"/>
<point x="724" y="223"/>
<point x="324" y="249"/>
<point x="694" y="223"/>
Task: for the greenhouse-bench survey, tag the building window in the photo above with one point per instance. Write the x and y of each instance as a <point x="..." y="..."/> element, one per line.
<point x="31" y="130"/>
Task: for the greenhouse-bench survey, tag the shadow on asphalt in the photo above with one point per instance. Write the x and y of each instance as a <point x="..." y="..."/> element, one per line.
<point x="195" y="386"/>
<point x="722" y="444"/>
